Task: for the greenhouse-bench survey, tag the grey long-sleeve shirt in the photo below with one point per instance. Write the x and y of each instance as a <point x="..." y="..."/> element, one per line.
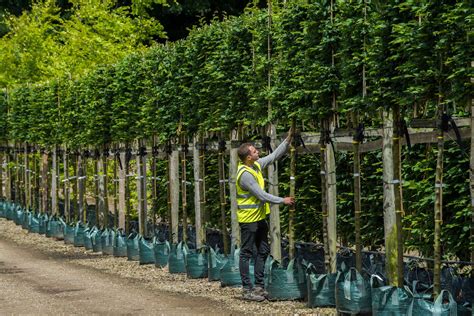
<point x="249" y="183"/>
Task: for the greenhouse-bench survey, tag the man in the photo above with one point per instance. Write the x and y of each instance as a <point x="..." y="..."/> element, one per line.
<point x="253" y="207"/>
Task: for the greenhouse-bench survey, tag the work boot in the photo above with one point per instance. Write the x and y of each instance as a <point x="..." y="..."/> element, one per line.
<point x="250" y="295"/>
<point x="260" y="291"/>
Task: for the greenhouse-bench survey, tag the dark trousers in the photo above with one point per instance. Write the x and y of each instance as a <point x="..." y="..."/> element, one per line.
<point x="253" y="235"/>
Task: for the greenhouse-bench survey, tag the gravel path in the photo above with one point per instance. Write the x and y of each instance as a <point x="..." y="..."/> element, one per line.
<point x="76" y="271"/>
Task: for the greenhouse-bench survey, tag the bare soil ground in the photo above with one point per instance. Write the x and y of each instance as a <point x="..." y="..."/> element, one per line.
<point x="39" y="276"/>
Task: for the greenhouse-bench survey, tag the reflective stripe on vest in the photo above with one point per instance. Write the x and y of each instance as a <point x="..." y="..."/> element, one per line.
<point x="249" y="208"/>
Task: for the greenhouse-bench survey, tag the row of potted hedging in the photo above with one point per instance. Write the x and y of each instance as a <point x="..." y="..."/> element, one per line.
<point x="348" y="290"/>
<point x="217" y="78"/>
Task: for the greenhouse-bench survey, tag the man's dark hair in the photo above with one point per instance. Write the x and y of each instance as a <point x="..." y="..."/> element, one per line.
<point x="244" y="151"/>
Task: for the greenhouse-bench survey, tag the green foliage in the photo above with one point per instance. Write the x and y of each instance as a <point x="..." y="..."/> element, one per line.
<point x="45" y="43"/>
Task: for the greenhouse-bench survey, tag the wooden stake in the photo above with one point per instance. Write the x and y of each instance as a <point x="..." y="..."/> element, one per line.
<point x="67" y="204"/>
<point x="141" y="187"/>
<point x="471" y="167"/>
<point x="54" y="182"/>
<point x="124" y="204"/>
<point x="81" y="181"/>
<point x="438" y="207"/>
<point x="292" y="209"/>
<point x="324" y="205"/>
<point x="174" y="194"/>
<point x="198" y="184"/>
<point x="98" y="210"/>
<point x="44" y="181"/>
<point x="275" y="230"/>
<point x="184" y="203"/>
<point x="389" y="216"/>
<point x="235" y="242"/>
<point x="73" y="187"/>
<point x="116" y="187"/>
<point x="154" y="181"/>
<point x="397" y="190"/>
<point x="222" y="194"/>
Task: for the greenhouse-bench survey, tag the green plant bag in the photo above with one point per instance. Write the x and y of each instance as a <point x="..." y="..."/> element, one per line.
<point x="69" y="234"/>
<point x="43" y="223"/>
<point x="33" y="225"/>
<point x="320" y="288"/>
<point x="215" y="262"/>
<point x="88" y="238"/>
<point x="11" y="212"/>
<point x="107" y="241"/>
<point x="389" y="300"/>
<point x="96" y="240"/>
<point x="3" y="209"/>
<point x="57" y="228"/>
<point x="79" y="234"/>
<point x="440" y="307"/>
<point x="18" y="216"/>
<point x="120" y="244"/>
<point x="286" y="283"/>
<point x="146" y="254"/>
<point x="353" y="295"/>
<point x="230" y="271"/>
<point x="176" y="262"/>
<point x="196" y="263"/>
<point x="25" y="220"/>
<point x="52" y="223"/>
<point x="132" y="247"/>
<point x="161" y="251"/>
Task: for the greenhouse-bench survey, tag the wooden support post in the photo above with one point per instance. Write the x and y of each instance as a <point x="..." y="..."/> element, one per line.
<point x="2" y="172"/>
<point x="438" y="207"/>
<point x="98" y="210"/>
<point x="174" y="193"/>
<point x="357" y="206"/>
<point x="73" y="187"/>
<point x="154" y="181"/>
<point x="222" y="194"/>
<point x="17" y="184"/>
<point x="54" y="182"/>
<point x="292" y="209"/>
<point x="184" y="203"/>
<point x="66" y="188"/>
<point x="36" y="181"/>
<point x="141" y="188"/>
<point x="116" y="186"/>
<point x="397" y="191"/>
<point x="331" y="202"/>
<point x="27" y="177"/>
<point x="198" y="185"/>
<point x="81" y="181"/>
<point x="390" y="228"/>
<point x="471" y="165"/>
<point x="8" y="174"/>
<point x="103" y="186"/>
<point x="324" y="195"/>
<point x="275" y="230"/>
<point x="44" y="181"/>
<point x="124" y="204"/>
<point x="234" y="159"/>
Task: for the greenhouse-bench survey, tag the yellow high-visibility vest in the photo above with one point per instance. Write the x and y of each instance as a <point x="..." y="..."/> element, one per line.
<point x="249" y="208"/>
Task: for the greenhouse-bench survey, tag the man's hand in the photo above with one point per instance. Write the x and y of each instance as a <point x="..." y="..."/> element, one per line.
<point x="288" y="200"/>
